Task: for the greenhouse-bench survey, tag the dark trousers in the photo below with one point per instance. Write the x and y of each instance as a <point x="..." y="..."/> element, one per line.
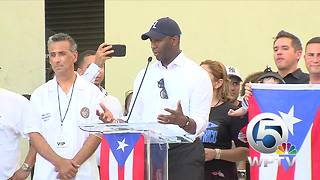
<point x="186" y="161"/>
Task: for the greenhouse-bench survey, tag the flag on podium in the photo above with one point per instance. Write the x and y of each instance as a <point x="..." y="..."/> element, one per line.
<point x="122" y="156"/>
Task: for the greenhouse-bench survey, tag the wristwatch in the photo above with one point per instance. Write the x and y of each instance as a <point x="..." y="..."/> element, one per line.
<point x="26" y="167"/>
<point x="218" y="153"/>
<point x="187" y="122"/>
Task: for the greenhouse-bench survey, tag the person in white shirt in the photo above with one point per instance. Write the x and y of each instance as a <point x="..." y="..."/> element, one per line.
<point x="87" y="58"/>
<point x="177" y="92"/>
<point x="111" y="103"/>
<point x="92" y="73"/>
<point x="64" y="103"/>
<point x="16" y="120"/>
<point x="176" y="86"/>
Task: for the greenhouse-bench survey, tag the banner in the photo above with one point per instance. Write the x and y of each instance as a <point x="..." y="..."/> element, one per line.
<point x="284" y="132"/>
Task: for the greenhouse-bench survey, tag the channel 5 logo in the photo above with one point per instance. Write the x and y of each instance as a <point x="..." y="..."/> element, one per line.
<point x="266" y="132"/>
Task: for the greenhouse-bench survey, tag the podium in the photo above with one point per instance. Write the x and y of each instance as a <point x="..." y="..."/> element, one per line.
<point x="157" y="139"/>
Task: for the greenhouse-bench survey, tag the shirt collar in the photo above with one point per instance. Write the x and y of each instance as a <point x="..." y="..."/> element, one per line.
<point x="178" y="61"/>
<point x="296" y="74"/>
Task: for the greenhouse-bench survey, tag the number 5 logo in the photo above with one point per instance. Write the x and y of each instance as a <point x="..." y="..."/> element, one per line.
<point x="266" y="132"/>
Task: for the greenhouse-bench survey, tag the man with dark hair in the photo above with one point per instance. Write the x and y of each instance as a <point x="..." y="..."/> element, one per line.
<point x="82" y="57"/>
<point x="312" y="59"/>
<point x="172" y="95"/>
<point x="287" y="50"/>
<point x="312" y="63"/>
<point x="295" y="41"/>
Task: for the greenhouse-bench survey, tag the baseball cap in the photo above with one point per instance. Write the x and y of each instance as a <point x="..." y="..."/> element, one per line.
<point x="232" y="71"/>
<point x="161" y="28"/>
<point x="269" y="73"/>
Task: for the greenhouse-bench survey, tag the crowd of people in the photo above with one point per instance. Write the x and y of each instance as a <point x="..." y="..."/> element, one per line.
<point x="200" y="100"/>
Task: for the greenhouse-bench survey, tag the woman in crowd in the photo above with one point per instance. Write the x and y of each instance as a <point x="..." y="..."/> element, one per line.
<point x="222" y="129"/>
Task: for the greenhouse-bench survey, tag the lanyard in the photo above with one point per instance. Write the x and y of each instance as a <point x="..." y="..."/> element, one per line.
<point x="64" y="117"/>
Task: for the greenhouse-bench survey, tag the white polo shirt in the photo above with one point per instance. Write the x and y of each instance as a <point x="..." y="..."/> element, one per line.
<point x="16" y="120"/>
<point x="85" y="100"/>
<point x="183" y="80"/>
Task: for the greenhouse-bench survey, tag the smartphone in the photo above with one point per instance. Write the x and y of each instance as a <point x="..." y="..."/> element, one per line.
<point x="119" y="50"/>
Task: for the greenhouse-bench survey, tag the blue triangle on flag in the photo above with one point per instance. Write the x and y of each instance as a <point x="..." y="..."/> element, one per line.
<point x="121" y="145"/>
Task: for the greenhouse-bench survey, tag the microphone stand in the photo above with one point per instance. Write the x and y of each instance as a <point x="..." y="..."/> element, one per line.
<point x="135" y="99"/>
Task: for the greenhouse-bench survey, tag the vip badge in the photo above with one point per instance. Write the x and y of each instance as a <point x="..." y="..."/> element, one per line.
<point x="85" y="112"/>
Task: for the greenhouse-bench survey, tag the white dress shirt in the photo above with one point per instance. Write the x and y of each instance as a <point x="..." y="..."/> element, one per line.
<point x="16" y="120"/>
<point x="184" y="80"/>
<point x="84" y="103"/>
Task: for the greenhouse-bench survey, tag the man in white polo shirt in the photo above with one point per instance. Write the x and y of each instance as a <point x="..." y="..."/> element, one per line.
<point x="62" y="104"/>
<point x="16" y="120"/>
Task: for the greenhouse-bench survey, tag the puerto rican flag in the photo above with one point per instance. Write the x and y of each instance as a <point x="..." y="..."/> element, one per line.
<point x="299" y="108"/>
<point x="122" y="156"/>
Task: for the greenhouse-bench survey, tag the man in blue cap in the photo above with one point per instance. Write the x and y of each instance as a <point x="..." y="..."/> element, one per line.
<point x="176" y="92"/>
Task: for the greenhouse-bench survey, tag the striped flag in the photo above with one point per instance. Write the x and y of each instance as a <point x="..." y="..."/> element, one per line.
<point x="122" y="156"/>
<point x="283" y="132"/>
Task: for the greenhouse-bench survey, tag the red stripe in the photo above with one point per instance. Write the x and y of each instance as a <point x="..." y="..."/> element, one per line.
<point x="121" y="173"/>
<point x="138" y="160"/>
<point x="104" y="159"/>
<point x="283" y="174"/>
<point x="315" y="147"/>
<point x="252" y="112"/>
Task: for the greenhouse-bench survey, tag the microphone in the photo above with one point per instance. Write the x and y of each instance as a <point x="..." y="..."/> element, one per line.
<point x="135" y="99"/>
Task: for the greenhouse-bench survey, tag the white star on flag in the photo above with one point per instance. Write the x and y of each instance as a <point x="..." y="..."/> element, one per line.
<point x="289" y="119"/>
<point x="122" y="145"/>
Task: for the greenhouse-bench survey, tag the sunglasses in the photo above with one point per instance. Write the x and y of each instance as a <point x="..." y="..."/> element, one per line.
<point x="163" y="92"/>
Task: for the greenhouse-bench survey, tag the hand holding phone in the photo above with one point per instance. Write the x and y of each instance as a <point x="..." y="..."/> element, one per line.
<point x="103" y="53"/>
<point x="119" y="50"/>
<point x="106" y="51"/>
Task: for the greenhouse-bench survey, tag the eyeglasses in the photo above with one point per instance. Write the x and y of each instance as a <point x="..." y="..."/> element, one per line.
<point x="163" y="92"/>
